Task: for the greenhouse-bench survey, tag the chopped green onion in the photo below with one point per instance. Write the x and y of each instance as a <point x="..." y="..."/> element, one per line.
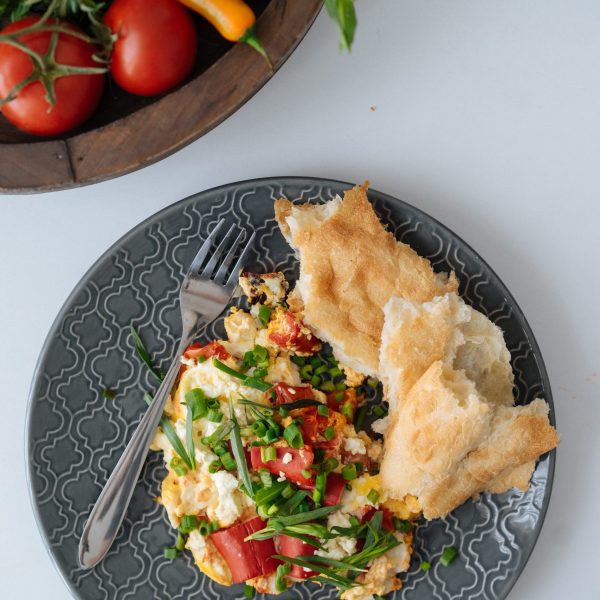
<point x="293" y="435"/>
<point x="214" y="415"/>
<point x="402" y="525"/>
<point x="315" y="380"/>
<point x="340" y="387"/>
<point x="348" y="487"/>
<point x="265" y="477"/>
<point x="264" y="314"/>
<point x="228" y="461"/>
<point x="288" y="491"/>
<point x="293" y="503"/>
<point x="196" y="400"/>
<point x="108" y="394"/>
<point x="281" y="577"/>
<point x="274" y="508"/>
<point x="359" y="417"/>
<point x="327" y="386"/>
<point x="321" y="369"/>
<point x="213" y="403"/>
<point x="347" y="410"/>
<point x="373" y="496"/>
<point x="283" y="411"/>
<point x="339" y="396"/>
<point x="204" y="528"/>
<point x="372" y="382"/>
<point x="216" y="438"/>
<point x="315" y="362"/>
<point x="330" y="464"/>
<point x="188" y="523"/>
<point x="259" y="428"/>
<point x="323" y="410"/>
<point x="178" y="466"/>
<point x="238" y="452"/>
<point x="215" y="466"/>
<point x="180" y="542"/>
<point x="271" y="435"/>
<point x="171" y="553"/>
<point x="320" y="484"/>
<point x="335" y="372"/>
<point x="220" y="448"/>
<point x="306" y="372"/>
<point x="354" y="521"/>
<point x="329" y="433"/>
<point x="379" y="411"/>
<point x="349" y="472"/>
<point x="259" y="373"/>
<point x="261" y="354"/>
<point x="223" y="367"/>
<point x="214" y="526"/>
<point x="200" y="359"/>
<point x="298" y="360"/>
<point x="448" y="555"/>
<point x="248" y="591"/>
<point x="268" y="453"/>
<point x="306" y="473"/>
<point x="425" y="565"/>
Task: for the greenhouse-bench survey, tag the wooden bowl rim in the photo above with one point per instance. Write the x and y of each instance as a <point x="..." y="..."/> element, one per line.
<point x="87" y="158"/>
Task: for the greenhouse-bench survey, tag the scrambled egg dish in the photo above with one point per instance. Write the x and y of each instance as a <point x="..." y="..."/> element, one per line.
<point x="271" y="477"/>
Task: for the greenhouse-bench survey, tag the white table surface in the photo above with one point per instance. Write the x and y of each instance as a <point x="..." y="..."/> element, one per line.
<point x="487" y="116"/>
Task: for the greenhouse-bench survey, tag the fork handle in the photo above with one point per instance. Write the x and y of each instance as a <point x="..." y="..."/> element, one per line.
<point x="107" y="515"/>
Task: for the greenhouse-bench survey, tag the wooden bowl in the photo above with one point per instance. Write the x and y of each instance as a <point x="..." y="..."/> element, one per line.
<point x="129" y="132"/>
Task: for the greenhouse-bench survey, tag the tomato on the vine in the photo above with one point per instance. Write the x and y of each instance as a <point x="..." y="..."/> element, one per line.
<point x="156" y="45"/>
<point x="75" y="96"/>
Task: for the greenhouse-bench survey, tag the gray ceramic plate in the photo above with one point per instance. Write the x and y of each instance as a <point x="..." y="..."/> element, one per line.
<point x="75" y="436"/>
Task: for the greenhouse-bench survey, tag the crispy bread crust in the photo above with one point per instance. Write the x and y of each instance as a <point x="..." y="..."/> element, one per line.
<point x="349" y="267"/>
<point x="454" y="431"/>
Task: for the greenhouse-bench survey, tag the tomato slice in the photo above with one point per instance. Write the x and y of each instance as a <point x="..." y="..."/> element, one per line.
<point x="287" y="332"/>
<point x="387" y="523"/>
<point x="302" y="458"/>
<point x="206" y="350"/>
<point x="334" y="489"/>
<point x="293" y="547"/>
<point x="290" y="393"/>
<point x="246" y="560"/>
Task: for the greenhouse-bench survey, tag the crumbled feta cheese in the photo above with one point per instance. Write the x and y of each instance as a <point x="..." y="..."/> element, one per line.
<point x="287" y="458"/>
<point x="354" y="445"/>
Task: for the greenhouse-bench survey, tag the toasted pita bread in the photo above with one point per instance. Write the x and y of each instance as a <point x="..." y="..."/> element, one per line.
<point x="349" y="268"/>
<point x="454" y="430"/>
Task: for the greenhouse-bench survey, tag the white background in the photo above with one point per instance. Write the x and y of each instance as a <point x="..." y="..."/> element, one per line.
<point x="487" y="117"/>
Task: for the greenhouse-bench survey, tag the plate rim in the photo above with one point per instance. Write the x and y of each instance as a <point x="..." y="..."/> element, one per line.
<point x="281" y="180"/>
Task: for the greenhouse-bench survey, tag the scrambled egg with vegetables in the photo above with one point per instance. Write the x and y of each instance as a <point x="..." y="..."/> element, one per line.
<point x="271" y="477"/>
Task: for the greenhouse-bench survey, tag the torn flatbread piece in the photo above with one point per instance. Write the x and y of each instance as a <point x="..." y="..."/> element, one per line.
<point x="350" y="266"/>
<point x="454" y="431"/>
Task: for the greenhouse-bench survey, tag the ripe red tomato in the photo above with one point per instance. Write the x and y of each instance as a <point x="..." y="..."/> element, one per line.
<point x="77" y="96"/>
<point x="156" y="46"/>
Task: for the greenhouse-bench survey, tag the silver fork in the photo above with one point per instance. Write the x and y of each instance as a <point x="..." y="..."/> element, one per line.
<point x="203" y="296"/>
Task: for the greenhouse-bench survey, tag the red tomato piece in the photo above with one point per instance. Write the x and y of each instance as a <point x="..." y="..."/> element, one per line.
<point x="302" y="458"/>
<point x="293" y="547"/>
<point x="334" y="489"/>
<point x="288" y="333"/>
<point x="387" y="522"/>
<point x="156" y="45"/>
<point x="246" y="560"/>
<point x="206" y="350"/>
<point x="77" y="96"/>
<point x="291" y="393"/>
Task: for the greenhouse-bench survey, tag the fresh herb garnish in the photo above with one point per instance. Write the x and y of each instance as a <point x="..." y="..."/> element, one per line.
<point x="172" y="436"/>
<point x="448" y="555"/>
<point x="249" y="381"/>
<point x="238" y="452"/>
<point x="108" y="394"/>
<point x="144" y="354"/>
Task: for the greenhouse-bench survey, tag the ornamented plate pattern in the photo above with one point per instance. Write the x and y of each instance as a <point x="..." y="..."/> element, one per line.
<point x="75" y="436"/>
